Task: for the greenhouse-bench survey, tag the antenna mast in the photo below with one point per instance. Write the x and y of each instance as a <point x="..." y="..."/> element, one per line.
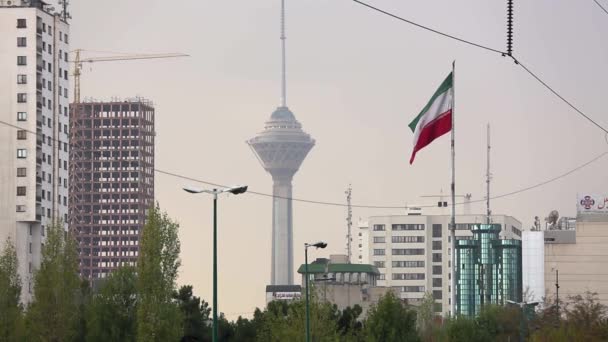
<point x="488" y="178"/>
<point x="283" y="69"/>
<point x="349" y="221"/>
<point x="64" y="13"/>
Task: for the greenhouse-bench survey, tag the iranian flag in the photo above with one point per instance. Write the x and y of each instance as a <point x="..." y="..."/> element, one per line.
<point x="435" y="119"/>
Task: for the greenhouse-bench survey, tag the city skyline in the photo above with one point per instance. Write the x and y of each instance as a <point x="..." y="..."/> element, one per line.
<point x="367" y="90"/>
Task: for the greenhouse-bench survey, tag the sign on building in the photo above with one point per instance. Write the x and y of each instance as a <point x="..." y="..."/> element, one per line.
<point x="592" y="204"/>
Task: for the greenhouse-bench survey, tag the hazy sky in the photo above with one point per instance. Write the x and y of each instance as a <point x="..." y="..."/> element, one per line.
<point x="355" y="80"/>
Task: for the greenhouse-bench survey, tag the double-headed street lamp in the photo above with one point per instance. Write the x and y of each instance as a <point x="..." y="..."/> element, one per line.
<point x="523" y="319"/>
<point x="306" y="245"/>
<point x="235" y="191"/>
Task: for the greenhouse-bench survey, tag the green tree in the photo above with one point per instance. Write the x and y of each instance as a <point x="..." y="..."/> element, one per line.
<point x="195" y="314"/>
<point x="391" y="321"/>
<point x="284" y="321"/>
<point x="349" y="325"/>
<point x="425" y="317"/>
<point x="158" y="316"/>
<point x="53" y="313"/>
<point x="11" y="311"/>
<point x="111" y="316"/>
<point x="244" y="330"/>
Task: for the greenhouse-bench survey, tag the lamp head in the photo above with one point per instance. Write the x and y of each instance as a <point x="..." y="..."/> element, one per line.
<point x="236" y="190"/>
<point x="319" y="244"/>
<point x="192" y="190"/>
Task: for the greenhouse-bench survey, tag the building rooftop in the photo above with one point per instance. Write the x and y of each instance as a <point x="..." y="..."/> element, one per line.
<point x="339" y="268"/>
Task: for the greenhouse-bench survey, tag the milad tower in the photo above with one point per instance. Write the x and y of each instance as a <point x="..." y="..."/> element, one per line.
<point x="281" y="148"/>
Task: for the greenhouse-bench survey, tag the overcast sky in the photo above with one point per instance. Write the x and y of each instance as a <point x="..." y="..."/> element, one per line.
<point x="356" y="78"/>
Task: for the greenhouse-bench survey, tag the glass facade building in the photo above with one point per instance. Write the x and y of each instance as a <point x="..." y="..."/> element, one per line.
<point x="489" y="270"/>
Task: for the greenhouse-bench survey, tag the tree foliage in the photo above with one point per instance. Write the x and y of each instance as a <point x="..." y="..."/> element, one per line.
<point x="158" y="316"/>
<point x="111" y="315"/>
<point x="11" y="310"/>
<point x="195" y="315"/>
<point x="391" y="321"/>
<point x="53" y="313"/>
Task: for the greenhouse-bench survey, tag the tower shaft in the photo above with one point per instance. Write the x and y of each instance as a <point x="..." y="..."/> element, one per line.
<point x="282" y="232"/>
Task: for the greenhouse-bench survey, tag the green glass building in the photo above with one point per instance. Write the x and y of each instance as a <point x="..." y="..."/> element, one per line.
<point x="488" y="270"/>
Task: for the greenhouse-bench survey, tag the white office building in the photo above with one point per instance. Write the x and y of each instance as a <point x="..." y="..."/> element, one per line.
<point x="533" y="265"/>
<point x="34" y="136"/>
<point x="361" y="244"/>
<point x="412" y="252"/>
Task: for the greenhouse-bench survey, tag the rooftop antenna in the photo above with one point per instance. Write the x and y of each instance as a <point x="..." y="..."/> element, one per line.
<point x="349" y="221"/>
<point x="64" y="13"/>
<point x="283" y="69"/>
<point x="488" y="179"/>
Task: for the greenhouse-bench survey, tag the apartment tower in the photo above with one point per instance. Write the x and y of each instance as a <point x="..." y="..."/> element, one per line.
<point x="112" y="176"/>
<point x="34" y="45"/>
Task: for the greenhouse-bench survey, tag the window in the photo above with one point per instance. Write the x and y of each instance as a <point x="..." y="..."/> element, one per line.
<point x="381" y="276"/>
<point x="30" y="246"/>
<point x="65" y="200"/>
<point x="408" y="251"/>
<point x="43" y="194"/>
<point x="21" y="79"/>
<point x="49" y="67"/>
<point x="21" y="172"/>
<point x="20" y="191"/>
<point x="21" y="23"/>
<point x="379" y="239"/>
<point x="20" y="208"/>
<point x="65" y="38"/>
<point x="408" y="227"/>
<point x="436" y="257"/>
<point x="21" y="116"/>
<point x="48" y="212"/>
<point x="379" y="227"/>
<point x="21" y="134"/>
<point x="437" y="230"/>
<point x="31" y="230"/>
<point x="65" y="74"/>
<point x="437" y="269"/>
<point x="403" y="239"/>
<point x="412" y="289"/>
<point x="437" y="294"/>
<point x="408" y="276"/>
<point x="437" y="245"/>
<point x="437" y="282"/>
<point x="21" y="60"/>
<point x="379" y="264"/>
<point x="415" y="263"/>
<point x="437" y="307"/>
<point x="379" y="252"/>
<point x="21" y="153"/>
<point x="21" y="42"/>
<point x="22" y="97"/>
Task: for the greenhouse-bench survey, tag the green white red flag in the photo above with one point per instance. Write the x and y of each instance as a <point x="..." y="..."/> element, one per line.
<point x="435" y="119"/>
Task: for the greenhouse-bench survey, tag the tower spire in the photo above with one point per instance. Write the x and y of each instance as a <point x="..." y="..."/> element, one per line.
<point x="283" y="71"/>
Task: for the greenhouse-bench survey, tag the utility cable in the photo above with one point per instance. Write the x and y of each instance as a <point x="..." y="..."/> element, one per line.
<point x="338" y="204"/>
<point x="429" y="29"/>
<point x="504" y="54"/>
<point x="600" y="5"/>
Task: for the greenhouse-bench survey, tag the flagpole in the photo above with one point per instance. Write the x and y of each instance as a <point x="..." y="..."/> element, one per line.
<point x="453" y="189"/>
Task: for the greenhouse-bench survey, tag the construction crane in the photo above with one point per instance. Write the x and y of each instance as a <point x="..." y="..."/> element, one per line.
<point x="78" y="62"/>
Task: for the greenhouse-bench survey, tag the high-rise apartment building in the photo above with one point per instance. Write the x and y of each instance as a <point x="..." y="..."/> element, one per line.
<point x="412" y="252"/>
<point x="112" y="173"/>
<point x="34" y="46"/>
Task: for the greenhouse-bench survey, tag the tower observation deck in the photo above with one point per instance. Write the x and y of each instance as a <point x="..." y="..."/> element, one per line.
<point x="281" y="149"/>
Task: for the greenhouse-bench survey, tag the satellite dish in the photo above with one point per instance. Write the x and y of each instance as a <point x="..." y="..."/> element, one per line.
<point x="552" y="218"/>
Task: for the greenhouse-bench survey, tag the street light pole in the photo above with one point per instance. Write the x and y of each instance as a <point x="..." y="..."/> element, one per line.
<point x="235" y="191"/>
<point x="215" y="339"/>
<point x="307" y="283"/>
<point x="306" y="245"/>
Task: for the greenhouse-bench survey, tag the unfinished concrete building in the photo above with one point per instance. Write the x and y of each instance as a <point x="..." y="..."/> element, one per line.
<point x="111" y="181"/>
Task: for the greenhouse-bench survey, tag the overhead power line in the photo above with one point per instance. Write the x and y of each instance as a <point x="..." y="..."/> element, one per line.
<point x="504" y="54"/>
<point x="338" y="204"/>
<point x="428" y="28"/>
<point x="600" y="6"/>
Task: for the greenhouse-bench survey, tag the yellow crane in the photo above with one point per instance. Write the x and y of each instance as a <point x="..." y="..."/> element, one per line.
<point x="78" y="62"/>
